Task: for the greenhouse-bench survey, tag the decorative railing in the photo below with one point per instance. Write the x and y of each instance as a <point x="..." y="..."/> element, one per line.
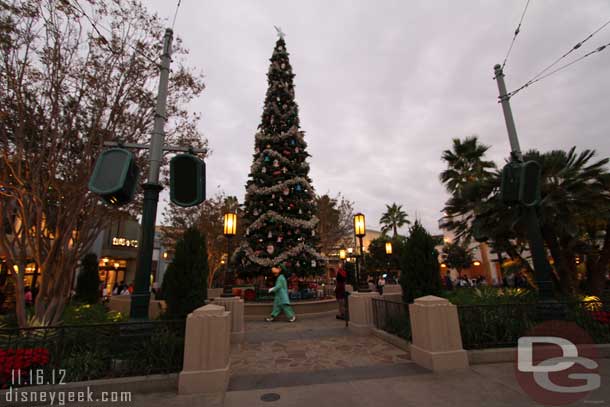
<point x="501" y="325"/>
<point x="392" y="317"/>
<point x="48" y="355"/>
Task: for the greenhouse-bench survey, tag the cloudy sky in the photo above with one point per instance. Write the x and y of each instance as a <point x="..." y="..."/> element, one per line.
<point x="383" y="86"/>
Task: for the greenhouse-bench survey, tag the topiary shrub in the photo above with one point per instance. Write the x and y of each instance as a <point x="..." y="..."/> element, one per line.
<point x="419" y="265"/>
<point x="185" y="281"/>
<point x="88" y="280"/>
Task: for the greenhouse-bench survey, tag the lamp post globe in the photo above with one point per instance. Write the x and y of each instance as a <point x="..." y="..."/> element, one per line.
<point x="229" y="230"/>
<point x="360" y="232"/>
<point x="388" y="248"/>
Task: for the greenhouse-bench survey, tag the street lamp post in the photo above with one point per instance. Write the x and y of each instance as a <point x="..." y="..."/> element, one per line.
<point x="360" y="231"/>
<point x="388" y="251"/>
<point x="230" y="228"/>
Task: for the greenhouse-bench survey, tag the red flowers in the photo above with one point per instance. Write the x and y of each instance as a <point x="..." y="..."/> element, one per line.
<point x="20" y="360"/>
<point x="601" y="316"/>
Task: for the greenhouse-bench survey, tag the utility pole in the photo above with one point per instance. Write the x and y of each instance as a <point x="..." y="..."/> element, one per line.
<point x="141" y="295"/>
<point x="542" y="270"/>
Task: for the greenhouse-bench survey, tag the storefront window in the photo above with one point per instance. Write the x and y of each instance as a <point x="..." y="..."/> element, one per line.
<point x="112" y="271"/>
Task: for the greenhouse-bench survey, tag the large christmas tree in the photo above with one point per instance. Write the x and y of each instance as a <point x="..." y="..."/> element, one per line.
<point x="279" y="213"/>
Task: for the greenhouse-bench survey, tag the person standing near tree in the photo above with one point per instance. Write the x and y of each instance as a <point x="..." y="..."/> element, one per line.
<point x="281" y="302"/>
<point x="340" y="291"/>
<point x="28" y="296"/>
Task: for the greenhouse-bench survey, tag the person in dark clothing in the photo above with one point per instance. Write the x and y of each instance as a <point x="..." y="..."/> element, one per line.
<point x="340" y="291"/>
<point x="448" y="282"/>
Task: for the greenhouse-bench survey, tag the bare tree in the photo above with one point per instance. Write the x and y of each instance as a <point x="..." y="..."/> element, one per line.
<point x="208" y="218"/>
<point x="73" y="75"/>
<point x="336" y="220"/>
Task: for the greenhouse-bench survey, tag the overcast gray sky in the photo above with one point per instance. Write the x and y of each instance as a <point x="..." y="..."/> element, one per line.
<point x="383" y="86"/>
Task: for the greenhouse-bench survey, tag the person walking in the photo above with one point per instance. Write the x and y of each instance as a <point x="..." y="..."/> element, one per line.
<point x="281" y="302"/>
<point x="340" y="291"/>
<point x="381" y="284"/>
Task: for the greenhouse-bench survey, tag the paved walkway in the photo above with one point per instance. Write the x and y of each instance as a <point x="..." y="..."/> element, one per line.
<point x="318" y="363"/>
<point x="312" y="351"/>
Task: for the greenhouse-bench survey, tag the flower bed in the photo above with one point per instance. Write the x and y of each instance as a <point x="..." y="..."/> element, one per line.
<point x="17" y="364"/>
<point x="88" y="352"/>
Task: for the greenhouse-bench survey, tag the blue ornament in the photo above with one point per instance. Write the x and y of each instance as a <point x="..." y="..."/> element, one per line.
<point x="267" y="158"/>
<point x="298" y="188"/>
<point x="292" y="142"/>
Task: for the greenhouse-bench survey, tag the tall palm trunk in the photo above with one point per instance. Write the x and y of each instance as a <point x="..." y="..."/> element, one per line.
<point x="562" y="266"/>
<point x="598" y="265"/>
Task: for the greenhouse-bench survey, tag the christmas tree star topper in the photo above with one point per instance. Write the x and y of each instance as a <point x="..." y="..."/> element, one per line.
<point x="280" y="33"/>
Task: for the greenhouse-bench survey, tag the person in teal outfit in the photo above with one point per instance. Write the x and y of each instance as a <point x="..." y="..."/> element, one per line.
<point x="281" y="302"/>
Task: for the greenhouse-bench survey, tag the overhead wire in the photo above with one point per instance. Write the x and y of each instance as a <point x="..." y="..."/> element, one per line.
<point x="540" y="75"/>
<point x="517" y="31"/>
<point x="176" y="14"/>
<point x="532" y="81"/>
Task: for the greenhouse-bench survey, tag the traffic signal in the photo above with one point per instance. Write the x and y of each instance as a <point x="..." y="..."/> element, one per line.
<point x="509" y="188"/>
<point x="187" y="180"/>
<point x="529" y="183"/>
<point x="521" y="183"/>
<point x="115" y="176"/>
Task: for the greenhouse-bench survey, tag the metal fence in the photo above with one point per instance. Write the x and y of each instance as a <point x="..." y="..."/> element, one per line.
<point x="392" y="317"/>
<point x="501" y="325"/>
<point x="86" y="352"/>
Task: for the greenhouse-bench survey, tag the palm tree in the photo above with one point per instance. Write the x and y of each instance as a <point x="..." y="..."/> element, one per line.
<point x="465" y="164"/>
<point x="469" y="178"/>
<point x="574" y="215"/>
<point x="575" y="195"/>
<point x="393" y="218"/>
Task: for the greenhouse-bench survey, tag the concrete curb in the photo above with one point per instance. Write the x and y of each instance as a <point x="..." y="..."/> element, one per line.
<point x="478" y="356"/>
<point x="282" y="317"/>
<point x="392" y="339"/>
<point x="504" y="355"/>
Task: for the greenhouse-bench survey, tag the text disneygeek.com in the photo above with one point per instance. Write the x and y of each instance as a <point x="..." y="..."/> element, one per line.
<point x="26" y="396"/>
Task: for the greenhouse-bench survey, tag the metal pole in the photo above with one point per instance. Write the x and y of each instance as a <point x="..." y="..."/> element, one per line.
<point x="228" y="284"/>
<point x="508" y="115"/>
<point x="542" y="272"/>
<point x="141" y="295"/>
<point x="364" y="287"/>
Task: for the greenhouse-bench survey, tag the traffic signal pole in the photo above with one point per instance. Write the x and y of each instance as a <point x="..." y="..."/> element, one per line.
<point x="542" y="270"/>
<point x="140" y="298"/>
<point x="508" y="115"/>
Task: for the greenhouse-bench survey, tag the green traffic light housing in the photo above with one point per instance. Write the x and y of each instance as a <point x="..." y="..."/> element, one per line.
<point x="187" y="180"/>
<point x="529" y="183"/>
<point x="115" y="176"/>
<point x="521" y="183"/>
<point x="509" y="188"/>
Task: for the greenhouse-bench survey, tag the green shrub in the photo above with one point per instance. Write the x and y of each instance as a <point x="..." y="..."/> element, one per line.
<point x="87" y="364"/>
<point x="88" y="281"/>
<point x="419" y="265"/>
<point x="489" y="296"/>
<point x="84" y="314"/>
<point x="185" y="281"/>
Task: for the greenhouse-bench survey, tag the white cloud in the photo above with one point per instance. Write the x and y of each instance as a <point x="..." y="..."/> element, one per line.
<point x="384" y="86"/>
